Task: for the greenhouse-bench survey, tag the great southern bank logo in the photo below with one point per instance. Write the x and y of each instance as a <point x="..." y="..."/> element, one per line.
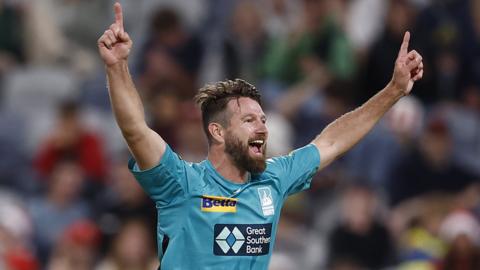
<point x="227" y="240"/>
<point x="242" y="239"/>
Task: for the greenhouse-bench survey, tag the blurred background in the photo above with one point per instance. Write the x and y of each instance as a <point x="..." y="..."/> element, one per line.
<point x="406" y="197"/>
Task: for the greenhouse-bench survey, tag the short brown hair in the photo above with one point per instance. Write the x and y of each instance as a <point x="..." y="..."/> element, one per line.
<point x="213" y="99"/>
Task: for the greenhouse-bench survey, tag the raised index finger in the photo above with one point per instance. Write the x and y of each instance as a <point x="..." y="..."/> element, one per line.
<point x="404" y="47"/>
<point x="118" y="15"/>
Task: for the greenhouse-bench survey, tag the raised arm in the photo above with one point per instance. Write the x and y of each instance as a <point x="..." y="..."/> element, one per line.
<point x="114" y="46"/>
<point x="346" y="131"/>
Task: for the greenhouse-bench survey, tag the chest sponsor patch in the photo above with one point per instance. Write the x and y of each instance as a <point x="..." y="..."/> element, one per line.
<point x="218" y="204"/>
<point x="242" y="239"/>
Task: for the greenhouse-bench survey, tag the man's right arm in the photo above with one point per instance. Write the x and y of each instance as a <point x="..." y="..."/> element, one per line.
<point x="146" y="145"/>
<point x="114" y="45"/>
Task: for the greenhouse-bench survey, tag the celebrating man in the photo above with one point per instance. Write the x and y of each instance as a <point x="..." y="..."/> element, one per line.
<point x="222" y="213"/>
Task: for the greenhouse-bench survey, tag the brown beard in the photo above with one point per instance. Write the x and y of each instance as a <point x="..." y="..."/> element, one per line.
<point x="238" y="151"/>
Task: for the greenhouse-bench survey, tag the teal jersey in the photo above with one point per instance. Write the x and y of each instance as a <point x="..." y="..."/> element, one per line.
<point x="208" y="222"/>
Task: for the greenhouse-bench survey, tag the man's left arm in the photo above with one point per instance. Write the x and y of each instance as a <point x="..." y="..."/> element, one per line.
<point x="349" y="129"/>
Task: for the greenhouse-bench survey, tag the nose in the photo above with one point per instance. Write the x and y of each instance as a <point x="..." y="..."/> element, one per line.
<point x="262" y="128"/>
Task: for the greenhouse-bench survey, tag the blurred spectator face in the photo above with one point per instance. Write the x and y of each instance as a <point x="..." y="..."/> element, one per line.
<point x="66" y="182"/>
<point x="314" y="11"/>
<point x="436" y="143"/>
<point x="469" y="198"/>
<point x="462" y="227"/>
<point x="133" y="246"/>
<point x="246" y="21"/>
<point x="337" y="100"/>
<point x="400" y="15"/>
<point x="279" y="6"/>
<point x="193" y="144"/>
<point x="447" y="63"/>
<point x="358" y="207"/>
<point x="471" y="97"/>
<point x="126" y="186"/>
<point x="160" y="65"/>
<point x="6" y="240"/>
<point x="164" y="108"/>
<point x="476" y="16"/>
<point x="462" y="231"/>
<point x="15" y="221"/>
<point x="405" y="118"/>
<point x="345" y="265"/>
<point x="167" y="28"/>
<point x="77" y="248"/>
<point x="68" y="129"/>
<point x="463" y="245"/>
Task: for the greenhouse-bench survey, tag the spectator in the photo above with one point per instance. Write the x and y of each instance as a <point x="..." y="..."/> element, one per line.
<point x="163" y="105"/>
<point x="15" y="234"/>
<point x="171" y="54"/>
<point x="421" y="248"/>
<point x="70" y="140"/>
<point x="11" y="41"/>
<point x="61" y="207"/>
<point x="77" y="248"/>
<point x="361" y="240"/>
<point x="320" y="38"/>
<point x="132" y="249"/>
<point x="461" y="231"/>
<point x="376" y="71"/>
<point x="244" y="46"/>
<point x="123" y="200"/>
<point x="428" y="167"/>
<point x="463" y="120"/>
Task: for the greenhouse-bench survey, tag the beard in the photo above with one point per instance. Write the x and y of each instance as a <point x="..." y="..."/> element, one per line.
<point x="239" y="152"/>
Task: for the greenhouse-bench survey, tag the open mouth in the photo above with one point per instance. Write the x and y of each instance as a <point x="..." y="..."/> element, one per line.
<point x="256" y="146"/>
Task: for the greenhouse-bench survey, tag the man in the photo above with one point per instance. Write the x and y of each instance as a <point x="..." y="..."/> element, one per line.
<point x="222" y="213"/>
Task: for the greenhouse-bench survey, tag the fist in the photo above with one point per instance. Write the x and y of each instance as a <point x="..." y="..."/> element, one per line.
<point x="115" y="44"/>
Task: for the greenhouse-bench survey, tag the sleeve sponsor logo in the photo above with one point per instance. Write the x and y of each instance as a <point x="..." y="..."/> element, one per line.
<point x="242" y="239"/>
<point x="218" y="204"/>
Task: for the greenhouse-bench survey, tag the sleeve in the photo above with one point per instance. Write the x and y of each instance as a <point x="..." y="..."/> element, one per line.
<point x="166" y="182"/>
<point x="295" y="170"/>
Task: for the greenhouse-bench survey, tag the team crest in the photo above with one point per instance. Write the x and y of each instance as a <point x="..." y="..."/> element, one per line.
<point x="266" y="201"/>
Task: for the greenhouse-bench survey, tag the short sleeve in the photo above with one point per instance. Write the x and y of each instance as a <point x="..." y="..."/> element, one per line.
<point x="165" y="182"/>
<point x="295" y="170"/>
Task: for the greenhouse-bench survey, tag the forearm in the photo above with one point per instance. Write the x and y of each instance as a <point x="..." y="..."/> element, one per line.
<point x="114" y="47"/>
<point x="126" y="103"/>
<point x="145" y="145"/>
<point x="346" y="131"/>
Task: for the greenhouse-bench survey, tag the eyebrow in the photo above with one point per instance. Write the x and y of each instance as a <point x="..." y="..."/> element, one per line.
<point x="263" y="116"/>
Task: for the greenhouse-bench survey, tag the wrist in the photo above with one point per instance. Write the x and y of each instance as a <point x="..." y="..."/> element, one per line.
<point x="120" y="66"/>
<point x="396" y="89"/>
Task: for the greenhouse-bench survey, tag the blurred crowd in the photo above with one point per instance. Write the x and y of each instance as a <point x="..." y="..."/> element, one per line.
<point x="407" y="197"/>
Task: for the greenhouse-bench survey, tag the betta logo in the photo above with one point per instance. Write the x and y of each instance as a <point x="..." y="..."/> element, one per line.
<point x="218" y="204"/>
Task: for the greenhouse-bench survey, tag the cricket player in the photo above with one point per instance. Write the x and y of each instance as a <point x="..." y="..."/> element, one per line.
<point x="223" y="212"/>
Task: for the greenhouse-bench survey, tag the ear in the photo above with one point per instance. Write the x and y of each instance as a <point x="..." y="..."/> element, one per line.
<point x="217" y="132"/>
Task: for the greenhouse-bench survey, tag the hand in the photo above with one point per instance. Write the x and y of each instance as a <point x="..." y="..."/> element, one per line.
<point x="408" y="67"/>
<point x="115" y="44"/>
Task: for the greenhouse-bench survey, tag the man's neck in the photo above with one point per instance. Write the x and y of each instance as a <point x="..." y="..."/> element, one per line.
<point x="226" y="167"/>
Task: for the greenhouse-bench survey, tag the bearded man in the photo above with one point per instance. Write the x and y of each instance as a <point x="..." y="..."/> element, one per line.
<point x="222" y="213"/>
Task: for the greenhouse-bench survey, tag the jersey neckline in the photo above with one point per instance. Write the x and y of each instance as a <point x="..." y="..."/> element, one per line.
<point x="226" y="182"/>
